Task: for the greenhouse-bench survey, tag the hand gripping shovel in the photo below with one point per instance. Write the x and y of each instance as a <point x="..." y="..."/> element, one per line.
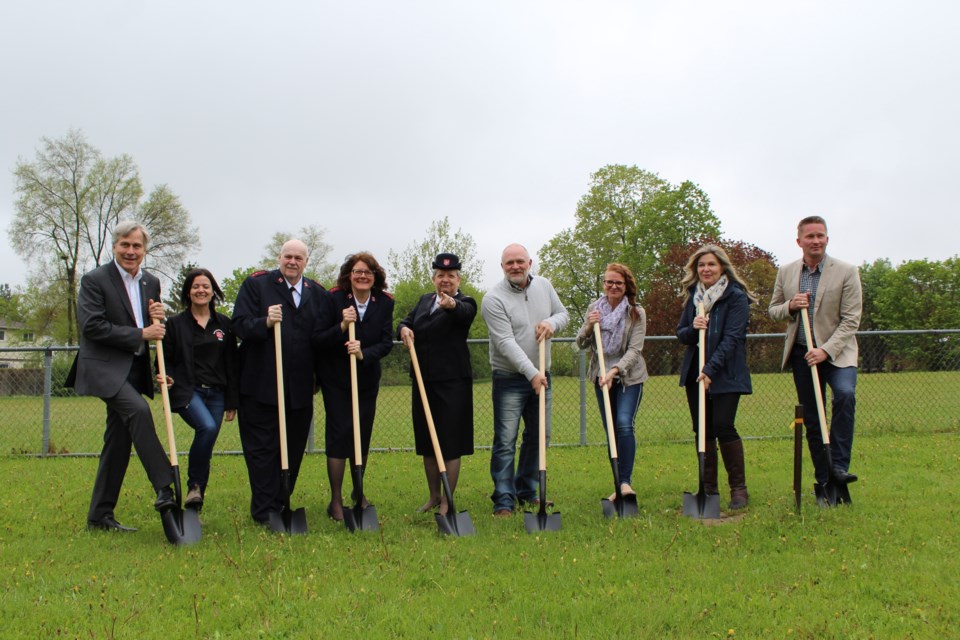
<point x="542" y="521"/>
<point x="451" y="523"/>
<point x="834" y="492"/>
<point x="701" y="505"/>
<point x="624" y="506"/>
<point x="179" y="525"/>
<point x="359" y="517"/>
<point x="286" y="520"/>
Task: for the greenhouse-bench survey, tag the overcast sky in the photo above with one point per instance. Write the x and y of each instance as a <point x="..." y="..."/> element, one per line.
<point x="375" y="118"/>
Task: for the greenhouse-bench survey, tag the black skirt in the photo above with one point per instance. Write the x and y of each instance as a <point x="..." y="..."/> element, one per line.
<point x="451" y="405"/>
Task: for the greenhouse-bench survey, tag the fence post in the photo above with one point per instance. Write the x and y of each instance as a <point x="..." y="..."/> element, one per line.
<point x="582" y="368"/>
<point x="47" y="392"/>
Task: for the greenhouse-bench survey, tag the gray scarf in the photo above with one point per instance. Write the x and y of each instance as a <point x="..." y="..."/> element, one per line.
<point x="612" y="323"/>
<point x="710" y="296"/>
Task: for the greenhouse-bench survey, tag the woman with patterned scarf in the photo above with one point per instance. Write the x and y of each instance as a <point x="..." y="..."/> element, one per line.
<point x="623" y="326"/>
<point x="710" y="279"/>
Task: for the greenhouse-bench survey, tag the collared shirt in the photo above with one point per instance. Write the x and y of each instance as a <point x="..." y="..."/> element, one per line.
<point x="362" y="308"/>
<point x="209" y="345"/>
<point x="132" y="285"/>
<point x="809" y="281"/>
<point x="297" y="291"/>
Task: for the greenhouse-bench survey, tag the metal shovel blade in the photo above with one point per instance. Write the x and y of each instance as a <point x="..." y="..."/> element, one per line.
<point x="289" y="521"/>
<point x="832" y="494"/>
<point x="359" y="518"/>
<point x="452" y="523"/>
<point x="455" y="524"/>
<point x="701" y="505"/>
<point x="181" y="526"/>
<point x="541" y="521"/>
<point x="624" y="506"/>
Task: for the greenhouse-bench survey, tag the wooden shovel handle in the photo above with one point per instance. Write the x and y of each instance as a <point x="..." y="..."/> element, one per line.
<point x="354" y="398"/>
<point x="607" y="409"/>
<point x="702" y="387"/>
<point x="426" y="410"/>
<point x="543" y="406"/>
<point x="281" y="398"/>
<point x="814" y="371"/>
<point x="165" y="395"/>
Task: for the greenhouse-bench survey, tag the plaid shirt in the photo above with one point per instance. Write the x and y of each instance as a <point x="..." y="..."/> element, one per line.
<point x="809" y="281"/>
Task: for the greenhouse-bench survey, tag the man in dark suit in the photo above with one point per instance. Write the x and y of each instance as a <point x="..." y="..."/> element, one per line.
<point x="266" y="298"/>
<point x="115" y="307"/>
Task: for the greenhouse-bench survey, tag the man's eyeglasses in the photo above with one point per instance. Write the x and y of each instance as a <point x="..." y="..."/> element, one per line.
<point x="362" y="272"/>
<point x="613" y="283"/>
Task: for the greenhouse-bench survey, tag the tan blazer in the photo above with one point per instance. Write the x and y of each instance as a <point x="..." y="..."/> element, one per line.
<point x="836" y="313"/>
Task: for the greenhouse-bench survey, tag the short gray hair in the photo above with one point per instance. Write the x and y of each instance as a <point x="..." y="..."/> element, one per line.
<point x="126" y="227"/>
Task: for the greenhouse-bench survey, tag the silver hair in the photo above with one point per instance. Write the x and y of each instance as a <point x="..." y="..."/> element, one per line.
<point x="126" y="227"/>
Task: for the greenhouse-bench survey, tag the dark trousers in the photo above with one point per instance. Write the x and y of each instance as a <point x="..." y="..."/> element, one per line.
<point x="843" y="385"/>
<point x="129" y="422"/>
<point x="721" y="413"/>
<point x="259" y="426"/>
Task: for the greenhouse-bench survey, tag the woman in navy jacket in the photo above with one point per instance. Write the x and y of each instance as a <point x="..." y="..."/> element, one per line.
<point x="359" y="297"/>
<point x="712" y="280"/>
<point x="200" y="352"/>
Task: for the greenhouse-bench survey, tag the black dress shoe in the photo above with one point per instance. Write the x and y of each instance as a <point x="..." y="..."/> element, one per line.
<point x="843" y="476"/>
<point x="164" y="500"/>
<point x="107" y="523"/>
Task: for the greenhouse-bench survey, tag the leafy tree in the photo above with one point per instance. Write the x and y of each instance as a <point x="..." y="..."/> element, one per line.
<point x="318" y="253"/>
<point x="68" y="201"/>
<point x="413" y="263"/>
<point x="231" y="286"/>
<point x="631" y="216"/>
<point x="173" y="304"/>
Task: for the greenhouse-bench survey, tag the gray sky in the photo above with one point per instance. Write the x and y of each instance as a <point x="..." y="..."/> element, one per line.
<point x="375" y="118"/>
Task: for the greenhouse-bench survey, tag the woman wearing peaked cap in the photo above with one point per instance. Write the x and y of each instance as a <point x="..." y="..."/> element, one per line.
<point x="359" y="297"/>
<point x="438" y="326"/>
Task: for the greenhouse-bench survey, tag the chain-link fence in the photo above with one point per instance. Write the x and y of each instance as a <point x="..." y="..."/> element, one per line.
<point x="909" y="381"/>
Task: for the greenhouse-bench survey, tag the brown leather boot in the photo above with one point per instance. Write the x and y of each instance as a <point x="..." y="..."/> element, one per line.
<point x="710" y="468"/>
<point x="732" y="453"/>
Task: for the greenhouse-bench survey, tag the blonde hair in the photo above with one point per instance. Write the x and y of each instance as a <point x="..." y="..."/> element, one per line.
<point x="691" y="277"/>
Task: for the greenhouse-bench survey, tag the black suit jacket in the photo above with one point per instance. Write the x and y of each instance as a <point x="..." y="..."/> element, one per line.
<point x="375" y="333"/>
<point x="109" y="335"/>
<point x="441" y="337"/>
<point x="258" y="370"/>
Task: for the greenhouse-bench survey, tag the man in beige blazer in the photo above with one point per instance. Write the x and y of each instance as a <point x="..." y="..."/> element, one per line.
<point x="830" y="290"/>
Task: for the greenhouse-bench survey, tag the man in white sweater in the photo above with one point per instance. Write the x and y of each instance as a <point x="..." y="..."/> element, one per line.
<point x="519" y="311"/>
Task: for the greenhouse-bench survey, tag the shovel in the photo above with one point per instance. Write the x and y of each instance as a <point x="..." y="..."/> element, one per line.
<point x="451" y="523"/>
<point x="359" y="517"/>
<point x="701" y="505"/>
<point x="286" y="520"/>
<point x="542" y="521"/>
<point x="833" y="492"/>
<point x="179" y="525"/>
<point x="623" y="506"/>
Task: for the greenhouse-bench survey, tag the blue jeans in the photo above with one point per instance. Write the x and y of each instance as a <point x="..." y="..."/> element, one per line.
<point x="204" y="414"/>
<point x="624" y="402"/>
<point x="514" y="399"/>
<point x="843" y="386"/>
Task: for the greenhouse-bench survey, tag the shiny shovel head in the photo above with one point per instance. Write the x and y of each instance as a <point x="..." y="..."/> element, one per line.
<point x="181" y="526"/>
<point x="361" y="519"/>
<point x="625" y="506"/>
<point x="455" y="524"/>
<point x="292" y="521"/>
<point x="701" y="505"/>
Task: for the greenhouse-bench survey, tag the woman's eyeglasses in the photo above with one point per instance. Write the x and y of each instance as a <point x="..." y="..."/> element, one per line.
<point x="361" y="272"/>
<point x="613" y="283"/>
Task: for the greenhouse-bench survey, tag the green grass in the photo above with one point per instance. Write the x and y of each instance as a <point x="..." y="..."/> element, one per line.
<point x="885" y="567"/>
<point x="910" y="402"/>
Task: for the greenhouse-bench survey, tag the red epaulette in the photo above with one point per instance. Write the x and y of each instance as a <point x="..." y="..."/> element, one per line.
<point x="333" y="290"/>
<point x="257" y="274"/>
<point x="386" y="293"/>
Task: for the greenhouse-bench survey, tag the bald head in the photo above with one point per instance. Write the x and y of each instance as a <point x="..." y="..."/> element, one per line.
<point x="292" y="260"/>
<point x="516" y="264"/>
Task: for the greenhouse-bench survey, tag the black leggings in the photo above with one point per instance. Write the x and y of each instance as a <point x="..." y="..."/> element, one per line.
<point x="721" y="413"/>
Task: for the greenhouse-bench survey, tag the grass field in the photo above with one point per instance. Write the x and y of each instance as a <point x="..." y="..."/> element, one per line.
<point x="914" y="402"/>
<point x="885" y="567"/>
